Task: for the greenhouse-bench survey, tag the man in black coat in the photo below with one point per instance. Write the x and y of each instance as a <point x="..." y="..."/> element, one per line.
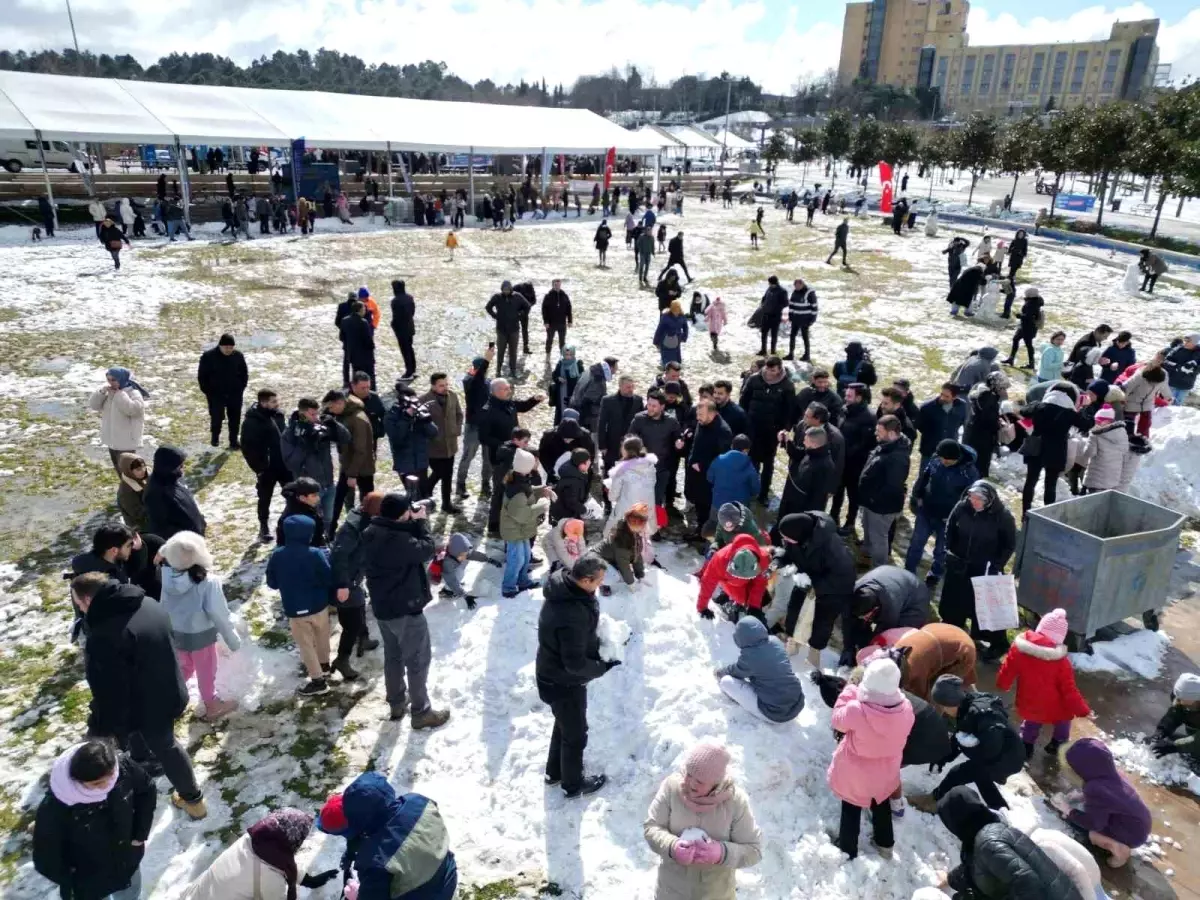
<point x="568" y="436"/>
<point x="675" y="257"/>
<point x="891" y="403"/>
<point x="940" y="419"/>
<point x="962" y="295"/>
<point x="811" y="474"/>
<point x="820" y="391"/>
<point x="404" y="326"/>
<point x="169" y="502"/>
<point x="858" y="428"/>
<point x="841" y="238"/>
<point x="735" y="417"/>
<point x="358" y="340"/>
<point x="507" y="308"/>
<point x="360" y="387"/>
<point x="810" y="542"/>
<point x="774" y="303"/>
<point x="768" y="399"/>
<point x="887" y="597"/>
<point x="223" y="378"/>
<point x="616" y="415"/>
<point x="344" y="309"/>
<point x="556" y="315"/>
<point x="659" y="433"/>
<point x="122" y="555"/>
<point x="261" y="430"/>
<point x="712" y="437"/>
<point x="396" y="549"/>
<point x="477" y="389"/>
<point x="495" y="424"/>
<point x="568" y="657"/>
<point x="137" y="689"/>
<point x="882" y="488"/>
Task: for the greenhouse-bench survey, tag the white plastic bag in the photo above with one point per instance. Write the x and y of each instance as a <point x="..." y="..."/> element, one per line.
<point x="593" y="510"/>
<point x="995" y="602"/>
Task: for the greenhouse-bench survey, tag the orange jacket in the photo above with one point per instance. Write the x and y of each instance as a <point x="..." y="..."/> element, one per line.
<point x="372" y="310"/>
<point x="747" y="592"/>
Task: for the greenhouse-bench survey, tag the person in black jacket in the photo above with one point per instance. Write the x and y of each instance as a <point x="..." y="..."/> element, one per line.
<point x="882" y="488"/>
<point x="858" y="428"/>
<point x="712" y="437"/>
<point x="767" y="398"/>
<point x="1046" y="447"/>
<point x="1018" y="249"/>
<point x="616" y="415"/>
<point x="223" y="378"/>
<point x="169" y="502"/>
<point x="811" y="473"/>
<point x="358" y="341"/>
<point x="112" y="237"/>
<point x="820" y="391"/>
<point x="526" y="290"/>
<point x="735" y="417"/>
<point x="137" y="688"/>
<point x="802" y="314"/>
<point x="774" y="303"/>
<point x="261" y="430"/>
<point x="507" y="308"/>
<point x="675" y="257"/>
<point x="93" y="823"/>
<point x="659" y="433"/>
<point x="360" y="387"/>
<point x="568" y="657"/>
<point x="939" y="419"/>
<point x="476" y="391"/>
<point x="571" y="489"/>
<point x="887" y="597"/>
<point x="123" y="555"/>
<point x="404" y="326"/>
<point x="348" y="562"/>
<point x="556" y="315"/>
<point x="841" y="236"/>
<point x="965" y="289"/>
<point x="810" y="542"/>
<point x="998" y="861"/>
<point x="1029" y="318"/>
<point x="302" y="497"/>
<point x="396" y="549"/>
<point x="568" y="436"/>
<point x="343" y="310"/>
<point x="891" y="403"/>
<point x="1093" y="340"/>
<point x="495" y="424"/>
<point x="982" y="433"/>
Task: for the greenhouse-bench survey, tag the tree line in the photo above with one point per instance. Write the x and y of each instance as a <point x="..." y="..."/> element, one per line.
<point x="1156" y="142"/>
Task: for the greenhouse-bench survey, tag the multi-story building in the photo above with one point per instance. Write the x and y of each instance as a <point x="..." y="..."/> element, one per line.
<point x="924" y="44"/>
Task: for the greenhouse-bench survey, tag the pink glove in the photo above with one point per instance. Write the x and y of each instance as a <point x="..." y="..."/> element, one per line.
<point x="708" y="853"/>
<point x="350" y="892"/>
<point x="683" y="852"/>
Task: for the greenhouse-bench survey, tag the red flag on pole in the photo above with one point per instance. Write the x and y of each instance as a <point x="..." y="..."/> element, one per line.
<point x="885" y="178"/>
<point x="610" y="163"/>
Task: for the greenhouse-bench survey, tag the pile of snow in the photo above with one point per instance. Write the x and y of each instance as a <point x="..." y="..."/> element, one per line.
<point x="1138" y="654"/>
<point x="1135" y="757"/>
<point x="1170" y="475"/>
<point x="614" y="635"/>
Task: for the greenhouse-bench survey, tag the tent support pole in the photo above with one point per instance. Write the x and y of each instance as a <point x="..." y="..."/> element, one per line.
<point x="471" y="180"/>
<point x="185" y="184"/>
<point x="391" y="193"/>
<point x="46" y="178"/>
<point x="657" y="169"/>
<point x="545" y="171"/>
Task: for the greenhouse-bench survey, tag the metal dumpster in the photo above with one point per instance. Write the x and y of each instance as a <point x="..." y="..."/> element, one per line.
<point x="1102" y="557"/>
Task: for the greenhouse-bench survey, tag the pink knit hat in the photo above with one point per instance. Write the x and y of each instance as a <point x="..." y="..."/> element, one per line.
<point x="1105" y="413"/>
<point x="1054" y="625"/>
<point x="707" y="762"/>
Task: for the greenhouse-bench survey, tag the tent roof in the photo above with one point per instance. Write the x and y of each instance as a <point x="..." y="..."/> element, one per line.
<point x="95" y="109"/>
<point x="692" y="137"/>
<point x="658" y="133"/>
<point x="741" y="117"/>
<point x="12" y="123"/>
<point x="733" y="142"/>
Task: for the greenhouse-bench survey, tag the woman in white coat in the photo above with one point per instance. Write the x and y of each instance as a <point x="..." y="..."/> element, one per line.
<point x="701" y="824"/>
<point x="122" y="407"/>
<point x="631" y="481"/>
<point x="127" y="215"/>
<point x="97" y="211"/>
<point x="261" y="864"/>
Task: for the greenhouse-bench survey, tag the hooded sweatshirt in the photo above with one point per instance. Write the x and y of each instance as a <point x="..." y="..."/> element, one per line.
<point x="301" y="573"/>
<point x="453" y="570"/>
<point x="765" y="665"/>
<point x="170" y="505"/>
<point x="1046" y="690"/>
<point x="745" y="592"/>
<point x="1111" y="806"/>
<point x="734" y="478"/>
<point x="131" y="492"/>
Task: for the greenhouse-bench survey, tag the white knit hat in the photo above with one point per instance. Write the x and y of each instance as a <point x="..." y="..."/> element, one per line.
<point x="186" y="549"/>
<point x="524" y="462"/>
<point x="881" y="683"/>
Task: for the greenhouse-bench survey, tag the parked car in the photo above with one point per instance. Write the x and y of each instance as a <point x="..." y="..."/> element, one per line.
<point x="19" y="155"/>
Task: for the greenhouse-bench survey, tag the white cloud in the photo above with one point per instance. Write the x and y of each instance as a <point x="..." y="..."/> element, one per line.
<point x="504" y="40"/>
<point x="1179" y="42"/>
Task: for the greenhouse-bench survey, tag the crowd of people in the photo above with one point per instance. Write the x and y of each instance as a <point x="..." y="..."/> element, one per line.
<point x="601" y="488"/>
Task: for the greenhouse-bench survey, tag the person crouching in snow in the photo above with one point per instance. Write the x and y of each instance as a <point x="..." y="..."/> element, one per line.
<point x="196" y="605"/>
<point x="762" y="681"/>
<point x="702" y="826"/>
<point x="454" y="567"/>
<point x="874" y="718"/>
<point x="715" y="318"/>
<point x="1109" y="809"/>
<point x="398" y="846"/>
<point x="564" y="544"/>
<point x="734" y="519"/>
<point x="1046" y="691"/>
<point x="625" y="547"/>
<point x="740" y="571"/>
<point x="261" y="864"/>
<point x="1184" y="713"/>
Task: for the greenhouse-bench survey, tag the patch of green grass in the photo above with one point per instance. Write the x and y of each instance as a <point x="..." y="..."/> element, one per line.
<point x="273" y="639"/>
<point x="75" y="705"/>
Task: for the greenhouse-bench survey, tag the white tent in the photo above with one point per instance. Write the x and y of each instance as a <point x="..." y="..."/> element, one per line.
<point x="733" y="142"/>
<point x="202" y="114"/>
<point x="66" y="108"/>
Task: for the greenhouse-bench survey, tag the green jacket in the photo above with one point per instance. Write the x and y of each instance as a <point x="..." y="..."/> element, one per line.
<point x="520" y="513"/>
<point x="748" y="526"/>
<point x="1187" y="718"/>
<point x="624" y="550"/>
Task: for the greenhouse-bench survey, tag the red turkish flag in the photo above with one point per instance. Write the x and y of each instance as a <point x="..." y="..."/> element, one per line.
<point x="885" y="203"/>
<point x="610" y="163"/>
<point x="885" y="172"/>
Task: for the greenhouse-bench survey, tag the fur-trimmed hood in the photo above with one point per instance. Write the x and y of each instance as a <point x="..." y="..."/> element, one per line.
<point x="1031" y="643"/>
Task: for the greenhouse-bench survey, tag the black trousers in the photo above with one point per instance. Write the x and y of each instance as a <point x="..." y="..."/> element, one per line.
<point x="158" y="742"/>
<point x="406" y="350"/>
<point x="264" y="225"/>
<point x="354" y="628"/>
<point x="825" y="616"/>
<point x="497" y="500"/>
<point x="838" y="245"/>
<point x="440" y="471"/>
<point x="957" y="605"/>
<point x="1033" y="471"/>
<point x="763" y="458"/>
<point x="1148" y="282"/>
<point x="525" y="331"/>
<point x="697" y="489"/>
<point x="848" y="490"/>
<point x="458" y="219"/>
<point x="559" y="328"/>
<point x="799" y="326"/>
<point x="48" y="226"/>
<point x="770" y="327"/>
<point x="675" y="261"/>
<point x="506" y="343"/>
<point x="971" y="772"/>
<point x="881" y="826"/>
<point x="343" y="492"/>
<point x="346" y="371"/>
<point x="221" y="409"/>
<point x="265" y="485"/>
<point x="1022" y="335"/>
<point x="569" y="738"/>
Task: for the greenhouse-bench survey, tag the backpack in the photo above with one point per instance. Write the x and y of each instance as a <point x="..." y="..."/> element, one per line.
<point x="435" y="566"/>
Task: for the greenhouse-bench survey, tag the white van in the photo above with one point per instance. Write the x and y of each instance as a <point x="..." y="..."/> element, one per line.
<point x="24" y="154"/>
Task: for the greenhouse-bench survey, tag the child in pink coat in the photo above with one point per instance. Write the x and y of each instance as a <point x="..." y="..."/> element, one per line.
<point x="715" y="317"/>
<point x="874" y="718"/>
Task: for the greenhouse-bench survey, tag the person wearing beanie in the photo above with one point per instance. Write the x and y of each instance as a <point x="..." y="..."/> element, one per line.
<point x="454" y="569"/>
<point x="810" y="542"/>
<point x="734" y="519"/>
<point x="1109" y="808"/>
<point x="520" y="514"/>
<point x="195" y="603"/>
<point x="507" y="308"/>
<point x="626" y="547"/>
<point x="397" y="548"/>
<point x="1046" y="693"/>
<point x="350" y="597"/>
<point x="397" y="846"/>
<point x="92" y="825"/>
<point x="371" y="307"/>
<point x="121" y="404"/>
<point x="170" y="504"/>
<point x="700" y="823"/>
<point x="738" y="569"/>
<point x="1106" y="454"/>
<point x="1177" y="730"/>
<point x="223" y="377"/>
<point x="762" y="681"/>
<point x="631" y="482"/>
<point x="940" y="486"/>
<point x="874" y="718"/>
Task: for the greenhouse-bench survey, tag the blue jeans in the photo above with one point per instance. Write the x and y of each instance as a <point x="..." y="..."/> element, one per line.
<point x="327" y="497"/>
<point x="516" y="565"/>
<point x="1180" y="394"/>
<point x="923" y="527"/>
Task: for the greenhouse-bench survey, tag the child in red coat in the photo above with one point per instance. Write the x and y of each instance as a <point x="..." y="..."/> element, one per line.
<point x="740" y="570"/>
<point x="1046" y="691"/>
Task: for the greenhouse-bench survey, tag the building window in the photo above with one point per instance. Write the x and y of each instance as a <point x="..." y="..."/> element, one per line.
<point x="1077" y="76"/>
<point x="943" y="65"/>
<point x="1110" y="70"/>
<point x="985" y="76"/>
<point x="968" y="74"/>
<point x="1035" y="76"/>
<point x="1010" y="62"/>
<point x="1060" y="70"/>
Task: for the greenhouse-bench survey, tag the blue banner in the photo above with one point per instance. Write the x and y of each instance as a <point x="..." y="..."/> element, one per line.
<point x="297" y="166"/>
<point x="1075" y="202"/>
<point x="459" y="161"/>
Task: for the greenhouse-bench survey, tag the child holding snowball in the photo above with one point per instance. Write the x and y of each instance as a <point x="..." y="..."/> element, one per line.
<point x="701" y="824"/>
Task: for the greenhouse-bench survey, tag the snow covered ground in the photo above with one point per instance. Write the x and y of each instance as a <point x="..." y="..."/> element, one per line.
<point x="66" y="316"/>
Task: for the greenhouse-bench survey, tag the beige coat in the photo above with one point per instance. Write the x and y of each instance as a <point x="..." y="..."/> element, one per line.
<point x="122" y="417"/>
<point x="231" y="877"/>
<point x="1140" y="394"/>
<point x="449" y="422"/>
<point x="1105" y="454"/>
<point x="732" y="823"/>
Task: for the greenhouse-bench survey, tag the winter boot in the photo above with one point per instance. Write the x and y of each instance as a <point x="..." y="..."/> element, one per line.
<point x="589" y="785"/>
<point x="314" y="688"/>
<point x="218" y="709"/>
<point x="342" y="666"/>
<point x="399" y="712"/>
<point x="1028" y="751"/>
<point x="431" y="718"/>
<point x="366" y="645"/>
<point x="1052" y="747"/>
<point x="264" y="535"/>
<point x="196" y="809"/>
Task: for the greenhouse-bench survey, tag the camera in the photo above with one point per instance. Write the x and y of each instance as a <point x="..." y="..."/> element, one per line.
<point x="412" y="484"/>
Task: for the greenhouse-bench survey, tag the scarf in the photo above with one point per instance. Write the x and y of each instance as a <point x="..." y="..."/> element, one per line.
<point x="607" y="370"/>
<point x="125" y="380"/>
<point x="138" y="486"/>
<point x="276" y="839"/>
<point x="571" y="368"/>
<point x="71" y="792"/>
<point x="702" y="803"/>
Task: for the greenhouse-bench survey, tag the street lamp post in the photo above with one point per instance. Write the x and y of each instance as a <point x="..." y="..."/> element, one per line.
<point x="725" y="131"/>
